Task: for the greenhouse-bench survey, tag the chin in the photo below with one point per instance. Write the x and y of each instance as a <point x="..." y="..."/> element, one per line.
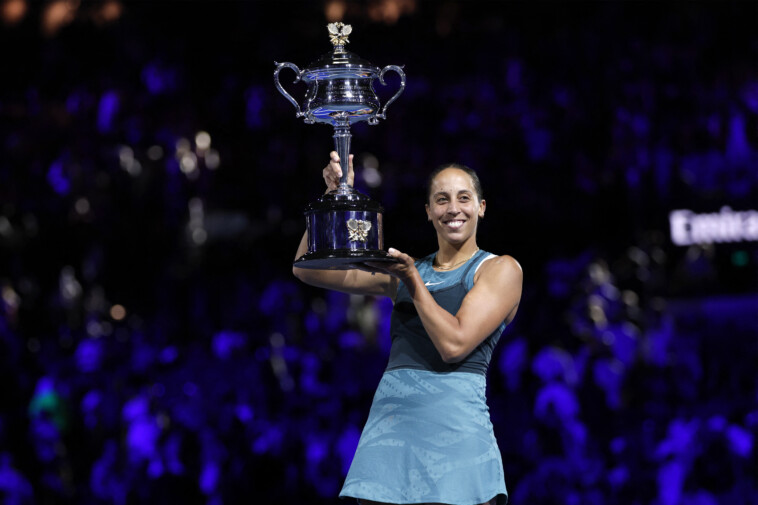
<point x="457" y="238"/>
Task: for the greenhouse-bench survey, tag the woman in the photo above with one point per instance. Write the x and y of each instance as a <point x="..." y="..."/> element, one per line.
<point x="428" y="438"/>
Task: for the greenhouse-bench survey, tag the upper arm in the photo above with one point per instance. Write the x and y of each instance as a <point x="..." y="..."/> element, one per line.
<point x="493" y="299"/>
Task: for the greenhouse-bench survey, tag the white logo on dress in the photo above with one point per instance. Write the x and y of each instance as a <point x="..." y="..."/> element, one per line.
<point x="433" y="283"/>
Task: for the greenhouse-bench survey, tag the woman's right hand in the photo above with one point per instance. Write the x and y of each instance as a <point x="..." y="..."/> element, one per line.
<point x="333" y="172"/>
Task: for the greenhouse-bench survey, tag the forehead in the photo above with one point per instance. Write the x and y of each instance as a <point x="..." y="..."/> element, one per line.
<point x="452" y="180"/>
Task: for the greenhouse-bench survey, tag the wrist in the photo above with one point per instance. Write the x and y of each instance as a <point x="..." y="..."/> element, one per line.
<point x="412" y="280"/>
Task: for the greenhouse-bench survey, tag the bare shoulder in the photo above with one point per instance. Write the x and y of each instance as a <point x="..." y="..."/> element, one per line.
<point x="499" y="269"/>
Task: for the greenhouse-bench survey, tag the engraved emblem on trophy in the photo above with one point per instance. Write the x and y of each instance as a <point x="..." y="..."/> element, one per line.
<point x="344" y="226"/>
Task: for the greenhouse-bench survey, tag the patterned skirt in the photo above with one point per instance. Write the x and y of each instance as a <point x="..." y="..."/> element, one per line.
<point x="428" y="439"/>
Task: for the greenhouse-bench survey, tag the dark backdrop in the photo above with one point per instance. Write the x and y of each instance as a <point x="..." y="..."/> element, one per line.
<point x="156" y="348"/>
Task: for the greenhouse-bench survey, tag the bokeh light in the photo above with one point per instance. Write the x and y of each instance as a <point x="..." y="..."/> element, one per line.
<point x="13" y="11"/>
<point x="118" y="312"/>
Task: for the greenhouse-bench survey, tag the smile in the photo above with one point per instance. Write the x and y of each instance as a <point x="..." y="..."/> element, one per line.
<point x="454" y="224"/>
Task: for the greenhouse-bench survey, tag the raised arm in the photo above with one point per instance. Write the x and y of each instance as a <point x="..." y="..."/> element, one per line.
<point x="348" y="281"/>
<point x="493" y="299"/>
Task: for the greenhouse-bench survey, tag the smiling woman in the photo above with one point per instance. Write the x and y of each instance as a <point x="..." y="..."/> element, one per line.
<point x="428" y="437"/>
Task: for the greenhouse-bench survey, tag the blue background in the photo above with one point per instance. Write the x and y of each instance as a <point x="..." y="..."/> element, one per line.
<point x="155" y="347"/>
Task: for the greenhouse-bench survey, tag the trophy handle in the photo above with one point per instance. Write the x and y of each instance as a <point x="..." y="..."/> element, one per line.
<point x="279" y="68"/>
<point x="399" y="71"/>
<point x="309" y="97"/>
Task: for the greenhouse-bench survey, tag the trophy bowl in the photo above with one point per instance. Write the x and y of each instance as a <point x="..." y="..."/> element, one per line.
<point x="344" y="226"/>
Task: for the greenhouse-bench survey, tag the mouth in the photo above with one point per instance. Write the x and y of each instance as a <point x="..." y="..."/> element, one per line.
<point x="454" y="224"/>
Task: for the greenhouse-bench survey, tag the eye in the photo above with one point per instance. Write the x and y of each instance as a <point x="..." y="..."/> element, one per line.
<point x="441" y="199"/>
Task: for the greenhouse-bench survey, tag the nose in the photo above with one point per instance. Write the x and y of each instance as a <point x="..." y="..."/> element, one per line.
<point x="452" y="207"/>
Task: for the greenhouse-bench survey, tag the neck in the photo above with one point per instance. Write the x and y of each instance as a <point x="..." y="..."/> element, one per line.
<point x="451" y="254"/>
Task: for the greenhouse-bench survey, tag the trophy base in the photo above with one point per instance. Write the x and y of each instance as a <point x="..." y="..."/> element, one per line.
<point x="341" y="259"/>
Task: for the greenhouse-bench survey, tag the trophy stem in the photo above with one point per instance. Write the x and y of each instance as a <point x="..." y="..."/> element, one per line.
<point x="342" y="138"/>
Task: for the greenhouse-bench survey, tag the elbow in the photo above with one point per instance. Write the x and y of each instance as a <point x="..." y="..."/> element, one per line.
<point x="451" y="354"/>
<point x="308" y="276"/>
<point x="299" y="273"/>
<point x="453" y="347"/>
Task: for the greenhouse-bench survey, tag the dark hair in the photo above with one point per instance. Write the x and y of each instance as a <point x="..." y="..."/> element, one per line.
<point x="459" y="166"/>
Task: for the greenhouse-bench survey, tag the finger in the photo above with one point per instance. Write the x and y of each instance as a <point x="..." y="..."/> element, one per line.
<point x="328" y="174"/>
<point x="404" y="258"/>
<point x="334" y="163"/>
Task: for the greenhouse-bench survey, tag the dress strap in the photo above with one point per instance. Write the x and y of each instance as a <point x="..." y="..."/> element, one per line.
<point x="481" y="257"/>
<point x="471" y="263"/>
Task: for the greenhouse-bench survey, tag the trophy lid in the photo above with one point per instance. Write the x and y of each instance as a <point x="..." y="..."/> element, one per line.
<point x="339" y="63"/>
<point x="348" y="200"/>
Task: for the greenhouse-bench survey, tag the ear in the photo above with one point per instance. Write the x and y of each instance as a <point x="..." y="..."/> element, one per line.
<point x="428" y="212"/>
<point x="482" y="206"/>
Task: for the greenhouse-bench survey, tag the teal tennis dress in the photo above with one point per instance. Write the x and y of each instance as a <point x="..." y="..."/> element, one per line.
<point x="428" y="437"/>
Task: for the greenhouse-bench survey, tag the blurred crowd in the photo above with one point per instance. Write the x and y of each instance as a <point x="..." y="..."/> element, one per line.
<point x="155" y="348"/>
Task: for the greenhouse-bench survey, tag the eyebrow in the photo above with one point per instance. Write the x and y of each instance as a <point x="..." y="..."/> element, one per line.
<point x="445" y="193"/>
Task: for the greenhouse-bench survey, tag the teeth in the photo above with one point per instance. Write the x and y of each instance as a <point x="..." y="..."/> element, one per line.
<point x="455" y="224"/>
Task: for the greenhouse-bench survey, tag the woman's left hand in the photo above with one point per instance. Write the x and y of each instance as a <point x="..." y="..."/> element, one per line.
<point x="403" y="269"/>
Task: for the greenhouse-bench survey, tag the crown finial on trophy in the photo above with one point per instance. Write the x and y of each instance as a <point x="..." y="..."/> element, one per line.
<point x="338" y="33"/>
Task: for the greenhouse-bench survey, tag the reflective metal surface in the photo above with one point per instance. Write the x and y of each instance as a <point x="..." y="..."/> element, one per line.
<point x="341" y="92"/>
<point x="340" y="86"/>
<point x="329" y="230"/>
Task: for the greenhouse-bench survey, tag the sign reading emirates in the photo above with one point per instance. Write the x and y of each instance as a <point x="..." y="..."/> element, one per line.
<point x="727" y="225"/>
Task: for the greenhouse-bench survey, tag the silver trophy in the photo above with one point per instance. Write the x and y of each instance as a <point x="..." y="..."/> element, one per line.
<point x="344" y="225"/>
